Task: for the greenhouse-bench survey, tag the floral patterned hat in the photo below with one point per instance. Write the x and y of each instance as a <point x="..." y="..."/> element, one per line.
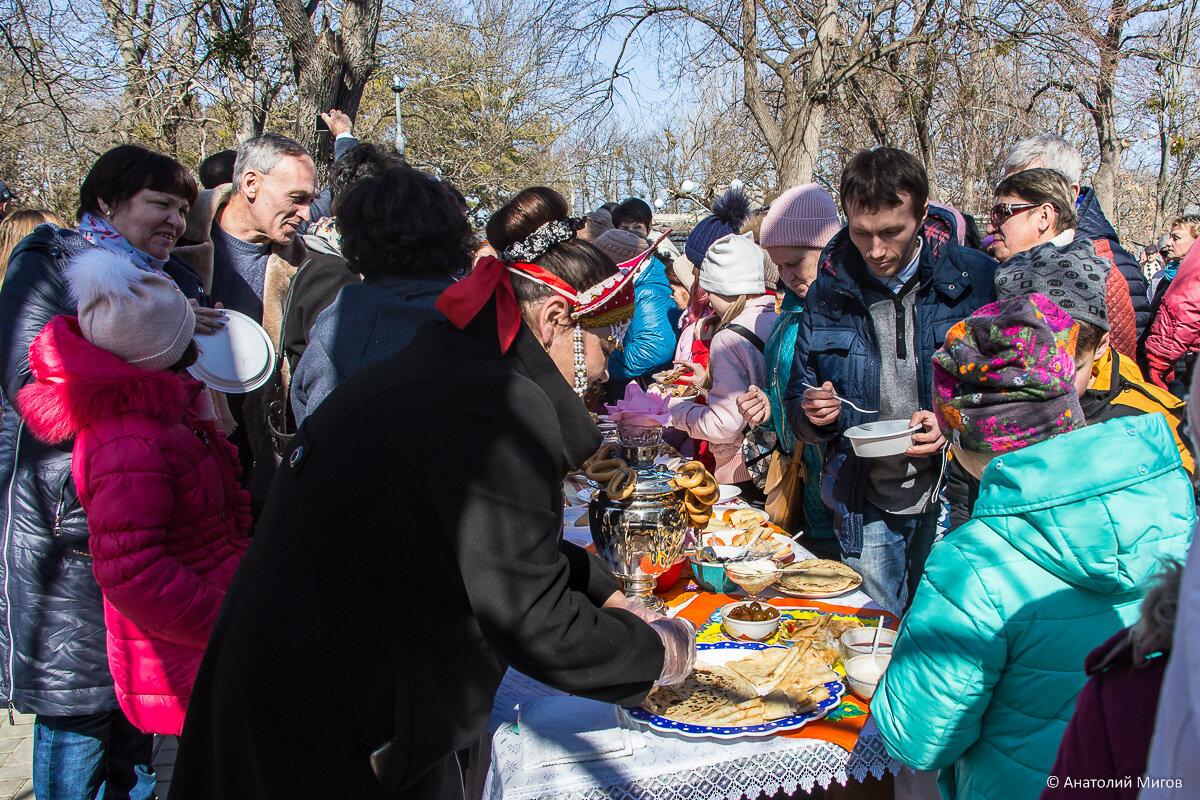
<point x="1005" y="378"/>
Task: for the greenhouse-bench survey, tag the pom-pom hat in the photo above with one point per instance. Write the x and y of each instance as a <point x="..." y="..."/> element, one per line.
<point x="729" y="212"/>
<point x="137" y="315"/>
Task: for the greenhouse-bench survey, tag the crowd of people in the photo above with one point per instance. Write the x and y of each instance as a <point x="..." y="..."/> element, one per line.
<point x="377" y="529"/>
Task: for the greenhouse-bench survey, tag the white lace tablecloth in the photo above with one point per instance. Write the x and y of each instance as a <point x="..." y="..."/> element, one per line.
<point x="670" y="768"/>
<point x="676" y="768"/>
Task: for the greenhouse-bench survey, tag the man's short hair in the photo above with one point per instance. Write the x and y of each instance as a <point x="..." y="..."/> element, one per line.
<point x="262" y="153"/>
<point x="873" y="179"/>
<point x="217" y="169"/>
<point x="1189" y="221"/>
<point x="1042" y="185"/>
<point x="1053" y="151"/>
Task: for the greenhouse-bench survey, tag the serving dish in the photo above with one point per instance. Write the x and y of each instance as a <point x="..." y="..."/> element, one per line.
<point x="719" y="654"/>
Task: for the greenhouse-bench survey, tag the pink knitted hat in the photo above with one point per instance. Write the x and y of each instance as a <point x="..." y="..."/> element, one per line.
<point x="803" y="216"/>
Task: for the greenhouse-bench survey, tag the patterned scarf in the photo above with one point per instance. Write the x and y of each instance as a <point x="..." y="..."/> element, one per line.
<point x="100" y="233"/>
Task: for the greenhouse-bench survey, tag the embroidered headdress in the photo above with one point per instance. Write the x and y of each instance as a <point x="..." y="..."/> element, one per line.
<point x="608" y="303"/>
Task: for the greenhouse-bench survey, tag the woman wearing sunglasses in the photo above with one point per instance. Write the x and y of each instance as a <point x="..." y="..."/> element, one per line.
<point x="1033" y="206"/>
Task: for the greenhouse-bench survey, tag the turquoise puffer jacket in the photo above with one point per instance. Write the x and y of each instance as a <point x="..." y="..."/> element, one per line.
<point x="1063" y="541"/>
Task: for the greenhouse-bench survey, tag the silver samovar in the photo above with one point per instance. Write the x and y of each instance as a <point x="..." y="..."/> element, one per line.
<point x="641" y="536"/>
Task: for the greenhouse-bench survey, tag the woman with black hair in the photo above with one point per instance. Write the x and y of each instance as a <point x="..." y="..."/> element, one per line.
<point x="132" y="204"/>
<point x="406" y="234"/>
<point x="411" y="549"/>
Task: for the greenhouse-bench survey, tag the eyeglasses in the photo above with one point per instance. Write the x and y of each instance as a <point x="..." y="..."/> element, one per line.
<point x="1001" y="212"/>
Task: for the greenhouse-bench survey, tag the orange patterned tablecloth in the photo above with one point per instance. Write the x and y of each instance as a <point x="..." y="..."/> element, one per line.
<point x="844" y="723"/>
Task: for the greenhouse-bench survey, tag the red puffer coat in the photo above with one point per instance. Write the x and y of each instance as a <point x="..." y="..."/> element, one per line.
<point x="1175" y="331"/>
<point x="167" y="520"/>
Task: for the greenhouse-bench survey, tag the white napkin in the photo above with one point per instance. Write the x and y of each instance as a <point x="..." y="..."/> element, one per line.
<point x="568" y="730"/>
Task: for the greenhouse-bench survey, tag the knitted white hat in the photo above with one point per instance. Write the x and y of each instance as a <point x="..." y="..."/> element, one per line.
<point x="733" y="266"/>
<point x="137" y="315"/>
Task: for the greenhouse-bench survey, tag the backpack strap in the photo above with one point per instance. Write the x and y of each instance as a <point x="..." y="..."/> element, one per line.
<point x="747" y="334"/>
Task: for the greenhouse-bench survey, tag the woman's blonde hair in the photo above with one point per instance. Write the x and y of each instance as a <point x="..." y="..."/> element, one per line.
<point x="19" y="224"/>
<point x="729" y="316"/>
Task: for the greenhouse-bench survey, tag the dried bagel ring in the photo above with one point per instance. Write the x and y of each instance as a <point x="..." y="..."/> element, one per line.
<point x="622" y="484"/>
<point x="707" y="493"/>
<point x="694" y="506"/>
<point x="609" y="464"/>
<point x="690" y="475"/>
<point x="598" y="475"/>
<point x="607" y="451"/>
<point x="699" y="520"/>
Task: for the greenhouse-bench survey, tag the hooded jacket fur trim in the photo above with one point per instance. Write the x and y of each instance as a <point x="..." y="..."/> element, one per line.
<point x="167" y="519"/>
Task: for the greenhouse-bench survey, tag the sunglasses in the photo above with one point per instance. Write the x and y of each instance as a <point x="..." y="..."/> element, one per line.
<point x="1001" y="212"/>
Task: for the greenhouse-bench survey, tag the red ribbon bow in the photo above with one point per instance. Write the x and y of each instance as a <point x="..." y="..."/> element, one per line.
<point x="463" y="301"/>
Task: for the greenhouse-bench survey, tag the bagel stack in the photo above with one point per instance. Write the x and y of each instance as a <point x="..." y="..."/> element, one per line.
<point x="701" y="492"/>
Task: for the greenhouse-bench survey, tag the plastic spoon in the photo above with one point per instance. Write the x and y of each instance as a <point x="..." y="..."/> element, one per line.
<point x="842" y="399"/>
<point x="875" y="642"/>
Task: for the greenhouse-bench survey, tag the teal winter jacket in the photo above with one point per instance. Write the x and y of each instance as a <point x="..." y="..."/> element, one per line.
<point x="1061" y="546"/>
<point x="780" y="351"/>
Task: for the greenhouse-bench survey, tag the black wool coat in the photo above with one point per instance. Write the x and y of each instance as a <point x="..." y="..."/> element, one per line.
<point x="410" y="551"/>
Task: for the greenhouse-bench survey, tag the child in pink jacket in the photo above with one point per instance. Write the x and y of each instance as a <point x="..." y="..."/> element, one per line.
<point x="167" y="519"/>
<point x="732" y="274"/>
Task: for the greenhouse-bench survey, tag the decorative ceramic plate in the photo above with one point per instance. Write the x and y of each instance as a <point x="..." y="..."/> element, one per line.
<point x="720" y="653"/>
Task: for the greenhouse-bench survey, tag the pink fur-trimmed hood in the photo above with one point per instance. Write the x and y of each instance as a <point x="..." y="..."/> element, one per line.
<point x="76" y="383"/>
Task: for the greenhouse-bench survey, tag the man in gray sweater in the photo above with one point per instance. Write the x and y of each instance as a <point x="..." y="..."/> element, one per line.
<point x="891" y="284"/>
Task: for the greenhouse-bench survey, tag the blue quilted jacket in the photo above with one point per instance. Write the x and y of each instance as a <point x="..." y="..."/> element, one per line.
<point x="1056" y="558"/>
<point x="650" y="341"/>
<point x="836" y="342"/>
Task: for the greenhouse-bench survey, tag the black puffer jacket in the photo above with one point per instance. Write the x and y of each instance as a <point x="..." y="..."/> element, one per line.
<point x="1094" y="225"/>
<point x="52" y="653"/>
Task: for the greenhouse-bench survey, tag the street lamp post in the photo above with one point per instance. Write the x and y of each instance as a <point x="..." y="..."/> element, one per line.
<point x="398" y="88"/>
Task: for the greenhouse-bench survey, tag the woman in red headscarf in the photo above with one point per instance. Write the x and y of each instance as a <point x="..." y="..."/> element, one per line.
<point x="410" y="550"/>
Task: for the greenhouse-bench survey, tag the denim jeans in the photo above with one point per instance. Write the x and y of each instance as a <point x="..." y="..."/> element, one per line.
<point x="93" y="757"/>
<point x="893" y="556"/>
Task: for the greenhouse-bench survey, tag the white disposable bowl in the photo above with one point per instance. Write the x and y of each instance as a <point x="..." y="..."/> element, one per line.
<point x="857" y="641"/>
<point x="862" y="683"/>
<point x="889" y="437"/>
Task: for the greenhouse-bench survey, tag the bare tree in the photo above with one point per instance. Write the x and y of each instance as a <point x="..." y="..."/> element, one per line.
<point x="1098" y="40"/>
<point x="331" y="63"/>
<point x="796" y="56"/>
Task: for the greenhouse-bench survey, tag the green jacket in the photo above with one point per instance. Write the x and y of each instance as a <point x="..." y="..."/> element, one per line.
<point x="1062" y="543"/>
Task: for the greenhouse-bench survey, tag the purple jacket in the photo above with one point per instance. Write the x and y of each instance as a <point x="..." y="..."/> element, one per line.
<point x="1109" y="736"/>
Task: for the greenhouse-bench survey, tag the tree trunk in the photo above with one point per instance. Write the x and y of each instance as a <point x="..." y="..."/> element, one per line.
<point x="1104" y="114"/>
<point x="331" y="67"/>
<point x="131" y="44"/>
<point x="797" y="155"/>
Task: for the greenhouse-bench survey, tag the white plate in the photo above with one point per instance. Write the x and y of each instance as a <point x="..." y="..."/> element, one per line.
<point x="718" y="654"/>
<point x="586" y="494"/>
<point x="817" y="595"/>
<point x="237" y="358"/>
<point x="728" y="493"/>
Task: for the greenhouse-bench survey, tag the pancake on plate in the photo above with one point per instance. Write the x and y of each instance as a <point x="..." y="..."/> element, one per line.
<point x="818" y="576"/>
